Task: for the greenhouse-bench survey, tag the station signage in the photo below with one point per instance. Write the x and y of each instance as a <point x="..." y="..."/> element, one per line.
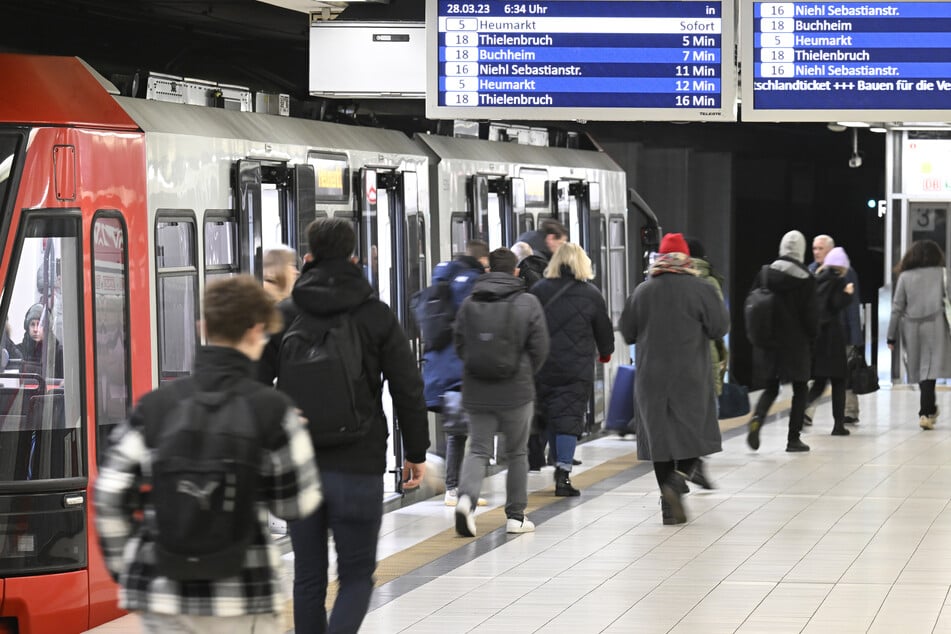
<point x="581" y="60"/>
<point x="844" y="60"/>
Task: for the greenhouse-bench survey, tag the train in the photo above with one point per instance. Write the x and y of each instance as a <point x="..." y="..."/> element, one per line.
<point x="117" y="211"/>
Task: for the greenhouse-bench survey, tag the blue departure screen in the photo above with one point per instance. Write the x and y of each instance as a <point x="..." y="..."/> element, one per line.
<point x="587" y="59"/>
<point x="851" y="56"/>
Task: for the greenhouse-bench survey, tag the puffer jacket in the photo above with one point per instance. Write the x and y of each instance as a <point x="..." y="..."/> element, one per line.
<point x="580" y="330"/>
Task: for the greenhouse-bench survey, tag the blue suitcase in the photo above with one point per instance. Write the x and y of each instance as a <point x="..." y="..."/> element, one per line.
<point x="621" y="408"/>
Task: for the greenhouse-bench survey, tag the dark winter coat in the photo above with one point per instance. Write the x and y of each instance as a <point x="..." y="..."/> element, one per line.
<point x="829" y="358"/>
<point x="35" y="353"/>
<point x="796" y="318"/>
<point x="536" y="240"/>
<point x="850" y="318"/>
<point x="580" y="330"/>
<point x="532" y="270"/>
<point x="672" y="318"/>
<point x="529" y="320"/>
<point x="442" y="369"/>
<point x="331" y="287"/>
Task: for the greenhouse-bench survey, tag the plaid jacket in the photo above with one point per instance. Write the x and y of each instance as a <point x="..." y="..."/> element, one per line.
<point x="289" y="486"/>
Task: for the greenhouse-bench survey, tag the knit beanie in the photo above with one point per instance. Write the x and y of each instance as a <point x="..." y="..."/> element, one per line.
<point x="34" y="312"/>
<point x="793" y="245"/>
<point x="836" y="257"/>
<point x="674" y="243"/>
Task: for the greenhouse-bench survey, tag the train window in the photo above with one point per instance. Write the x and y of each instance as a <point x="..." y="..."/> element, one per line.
<point x="177" y="290"/>
<point x="459" y="231"/>
<point x="41" y="425"/>
<point x="617" y="253"/>
<point x="332" y="174"/>
<point x="536" y="186"/>
<point x="526" y="222"/>
<point x="221" y="236"/>
<point x="110" y="314"/>
<point x="272" y="224"/>
<point x="9" y="147"/>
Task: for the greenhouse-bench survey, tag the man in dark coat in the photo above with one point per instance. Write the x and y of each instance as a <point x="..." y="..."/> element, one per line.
<point x="671" y="317"/>
<point x="352" y="474"/>
<point x="790" y="357"/>
<point x="503" y="405"/>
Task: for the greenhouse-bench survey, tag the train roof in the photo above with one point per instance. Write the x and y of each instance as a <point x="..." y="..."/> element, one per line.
<point x="493" y="151"/>
<point x="157" y="116"/>
<point x="46" y="90"/>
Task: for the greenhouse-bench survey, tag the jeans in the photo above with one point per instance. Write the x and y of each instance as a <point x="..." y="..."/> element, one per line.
<point x="796" y="410"/>
<point x="514" y="424"/>
<point x="564" y="447"/>
<point x="353" y="511"/>
<point x="455" y="452"/>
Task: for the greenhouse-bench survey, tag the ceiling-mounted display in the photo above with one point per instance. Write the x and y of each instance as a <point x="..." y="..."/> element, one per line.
<point x="581" y="60"/>
<point x="860" y="61"/>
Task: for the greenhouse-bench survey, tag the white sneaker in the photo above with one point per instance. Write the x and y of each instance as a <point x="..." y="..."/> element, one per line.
<point x="465" y="518"/>
<point x="452" y="498"/>
<point x="523" y="525"/>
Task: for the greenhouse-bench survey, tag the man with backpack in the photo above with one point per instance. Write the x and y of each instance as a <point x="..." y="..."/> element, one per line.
<point x="502" y="338"/>
<point x="782" y="347"/>
<point x="436" y="309"/>
<point x="214" y="451"/>
<point x="544" y="242"/>
<point x="340" y="344"/>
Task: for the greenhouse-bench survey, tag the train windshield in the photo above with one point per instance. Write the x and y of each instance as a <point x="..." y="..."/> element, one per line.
<point x="40" y="423"/>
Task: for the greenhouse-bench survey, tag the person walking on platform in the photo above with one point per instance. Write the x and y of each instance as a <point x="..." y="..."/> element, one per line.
<point x="671" y="317"/>
<point x="501" y="337"/>
<point x="829" y="362"/>
<point x="796" y="322"/>
<point x="580" y="331"/>
<point x="333" y="300"/>
<point x="920" y="317"/>
<point x="851" y="321"/>
<point x="231" y="587"/>
<point x="442" y="368"/>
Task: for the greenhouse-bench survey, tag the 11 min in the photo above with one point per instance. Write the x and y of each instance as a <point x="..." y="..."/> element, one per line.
<point x="534" y="9"/>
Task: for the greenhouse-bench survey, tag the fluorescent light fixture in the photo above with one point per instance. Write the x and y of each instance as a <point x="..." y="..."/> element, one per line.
<point x="854" y="124"/>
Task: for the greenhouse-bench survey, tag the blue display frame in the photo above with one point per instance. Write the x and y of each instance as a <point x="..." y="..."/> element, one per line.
<point x="632" y="60"/>
<point x="846" y="61"/>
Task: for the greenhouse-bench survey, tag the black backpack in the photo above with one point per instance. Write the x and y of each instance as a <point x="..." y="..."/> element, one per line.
<point x="321" y="369"/>
<point x="205" y="471"/>
<point x="492" y="346"/>
<point x="434" y="312"/>
<point x="759" y="313"/>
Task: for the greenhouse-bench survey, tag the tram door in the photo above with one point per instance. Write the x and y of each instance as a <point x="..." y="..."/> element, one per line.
<point x="391" y="236"/>
<point x="495" y="203"/>
<point x="275" y="202"/>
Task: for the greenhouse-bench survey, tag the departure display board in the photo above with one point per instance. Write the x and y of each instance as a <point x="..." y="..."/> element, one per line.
<point x="845" y="60"/>
<point x="581" y="60"/>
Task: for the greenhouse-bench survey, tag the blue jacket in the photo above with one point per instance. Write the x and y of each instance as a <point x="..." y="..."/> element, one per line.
<point x="850" y="318"/>
<point x="442" y="369"/>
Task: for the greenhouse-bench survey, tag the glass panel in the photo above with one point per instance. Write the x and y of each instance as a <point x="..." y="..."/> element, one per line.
<point x="177" y="325"/>
<point x="272" y="227"/>
<point x="221" y="258"/>
<point x="618" y="261"/>
<point x="41" y="426"/>
<point x="493" y="222"/>
<point x="8" y="152"/>
<point x="174" y="244"/>
<point x="112" y="334"/>
<point x="459" y="232"/>
<point x="526" y="222"/>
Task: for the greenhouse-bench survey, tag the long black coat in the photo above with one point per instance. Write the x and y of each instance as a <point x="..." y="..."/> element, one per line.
<point x="580" y="329"/>
<point x="796" y="319"/>
<point x="830" y="358"/>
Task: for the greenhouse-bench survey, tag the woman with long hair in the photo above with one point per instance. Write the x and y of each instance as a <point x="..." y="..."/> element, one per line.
<point x="580" y="331"/>
<point x="918" y="316"/>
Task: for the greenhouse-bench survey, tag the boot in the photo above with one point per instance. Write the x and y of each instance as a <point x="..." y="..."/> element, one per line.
<point x="698" y="476"/>
<point x="839" y="429"/>
<point x="563" y="488"/>
<point x="671" y="506"/>
<point x="752" y="439"/>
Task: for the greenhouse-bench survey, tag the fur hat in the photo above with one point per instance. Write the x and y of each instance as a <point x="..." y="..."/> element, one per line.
<point x="836" y="257"/>
<point x="793" y="245"/>
<point x="34" y="312"/>
<point x="674" y="243"/>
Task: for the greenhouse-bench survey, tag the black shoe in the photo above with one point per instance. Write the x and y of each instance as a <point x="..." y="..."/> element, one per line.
<point x="840" y="430"/>
<point x="576" y="462"/>
<point x="679" y="484"/>
<point x="671" y="506"/>
<point x="849" y="420"/>
<point x="563" y="488"/>
<point x="752" y="438"/>
<point x="699" y="477"/>
<point x="796" y="445"/>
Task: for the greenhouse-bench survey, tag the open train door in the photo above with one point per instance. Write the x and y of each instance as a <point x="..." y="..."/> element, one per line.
<point x="389" y="252"/>
<point x="247" y="188"/>
<point x="493" y="203"/>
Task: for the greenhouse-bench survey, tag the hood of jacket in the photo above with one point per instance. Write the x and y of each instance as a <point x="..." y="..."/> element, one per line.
<point x="793" y="246"/>
<point x="331" y="286"/>
<point x="492" y="287"/>
<point x="786" y="273"/>
<point x="218" y="367"/>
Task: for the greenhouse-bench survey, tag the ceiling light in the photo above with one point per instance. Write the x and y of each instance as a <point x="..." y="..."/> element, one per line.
<point x="853" y="124"/>
<point x="878" y="129"/>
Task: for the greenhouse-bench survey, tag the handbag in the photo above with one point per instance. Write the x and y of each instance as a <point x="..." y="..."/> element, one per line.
<point x="863" y="379"/>
<point x="944" y="297"/>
